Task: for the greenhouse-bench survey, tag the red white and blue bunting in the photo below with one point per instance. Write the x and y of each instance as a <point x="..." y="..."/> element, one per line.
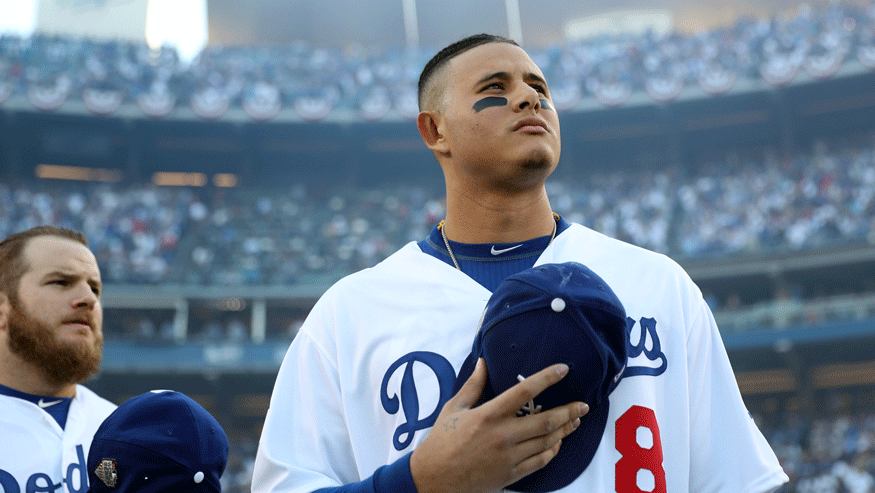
<point x="780" y="70"/>
<point x="566" y="97"/>
<point x="156" y="103"/>
<point x="866" y="56"/>
<point x="264" y="102"/>
<point x="610" y="94"/>
<point x="49" y="97"/>
<point x="375" y="106"/>
<point x="664" y="89"/>
<point x="407" y="104"/>
<point x="717" y="80"/>
<point x="102" y="102"/>
<point x="210" y="104"/>
<point x="824" y="65"/>
<point x="313" y="109"/>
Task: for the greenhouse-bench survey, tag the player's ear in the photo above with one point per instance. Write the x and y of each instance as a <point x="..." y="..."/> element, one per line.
<point x="430" y="128"/>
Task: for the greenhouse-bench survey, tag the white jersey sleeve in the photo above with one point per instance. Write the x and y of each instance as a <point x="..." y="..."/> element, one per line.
<point x="37" y="455"/>
<point x="304" y="444"/>
<point x="728" y="451"/>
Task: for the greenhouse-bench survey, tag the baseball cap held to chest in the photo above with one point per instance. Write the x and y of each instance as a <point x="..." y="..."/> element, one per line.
<point x="549" y="314"/>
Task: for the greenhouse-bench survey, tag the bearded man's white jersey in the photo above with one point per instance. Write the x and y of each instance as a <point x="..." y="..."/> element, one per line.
<point x="36" y="454"/>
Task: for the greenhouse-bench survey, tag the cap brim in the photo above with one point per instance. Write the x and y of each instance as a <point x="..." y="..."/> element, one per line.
<point x="575" y="454"/>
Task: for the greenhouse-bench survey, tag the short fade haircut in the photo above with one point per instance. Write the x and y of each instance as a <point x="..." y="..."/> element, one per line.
<point x="12" y="262"/>
<point x="440" y="60"/>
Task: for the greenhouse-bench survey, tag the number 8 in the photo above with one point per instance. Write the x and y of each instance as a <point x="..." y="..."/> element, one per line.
<point x="635" y="457"/>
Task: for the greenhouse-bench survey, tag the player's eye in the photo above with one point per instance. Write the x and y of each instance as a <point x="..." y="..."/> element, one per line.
<point x="60" y="282"/>
<point x="538" y="87"/>
<point x="493" y="85"/>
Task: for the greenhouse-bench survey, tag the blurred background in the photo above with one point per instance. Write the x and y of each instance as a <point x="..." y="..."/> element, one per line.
<point x="229" y="160"/>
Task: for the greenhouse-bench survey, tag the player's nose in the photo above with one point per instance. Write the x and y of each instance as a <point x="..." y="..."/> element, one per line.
<point x="84" y="296"/>
<point x="527" y="97"/>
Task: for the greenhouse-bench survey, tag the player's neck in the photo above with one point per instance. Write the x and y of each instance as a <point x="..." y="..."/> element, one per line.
<point x="497" y="218"/>
<point x="24" y="377"/>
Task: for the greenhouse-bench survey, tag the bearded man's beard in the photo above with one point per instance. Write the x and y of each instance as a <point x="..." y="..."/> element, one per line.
<point x="62" y="362"/>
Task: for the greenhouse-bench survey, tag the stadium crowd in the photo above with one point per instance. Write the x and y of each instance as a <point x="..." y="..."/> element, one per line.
<point x="133" y="231"/>
<point x="807" y="201"/>
<point x="826" y="455"/>
<point x="150" y="234"/>
<point x="357" y="77"/>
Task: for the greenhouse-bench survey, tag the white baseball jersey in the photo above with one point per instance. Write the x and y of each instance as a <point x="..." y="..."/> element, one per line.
<point x="363" y="381"/>
<point x="36" y="455"/>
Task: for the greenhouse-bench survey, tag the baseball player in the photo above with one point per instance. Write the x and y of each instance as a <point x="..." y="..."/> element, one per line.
<point x="364" y="398"/>
<point x="50" y="340"/>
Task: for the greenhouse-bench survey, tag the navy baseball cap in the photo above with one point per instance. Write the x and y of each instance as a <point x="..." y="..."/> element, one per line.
<point x="160" y="441"/>
<point x="549" y="314"/>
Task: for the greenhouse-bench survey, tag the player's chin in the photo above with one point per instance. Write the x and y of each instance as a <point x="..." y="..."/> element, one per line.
<point x="539" y="159"/>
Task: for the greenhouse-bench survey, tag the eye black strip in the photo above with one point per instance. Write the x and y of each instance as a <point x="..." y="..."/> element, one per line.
<point x="488" y="102"/>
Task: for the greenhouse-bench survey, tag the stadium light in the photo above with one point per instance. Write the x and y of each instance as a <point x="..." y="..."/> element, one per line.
<point x="843" y="374"/>
<point x="19" y="17"/>
<point x="179" y="24"/>
<point x="514" y="21"/>
<point x="766" y="381"/>
<point x="411" y="24"/>
<point x="179" y="179"/>
<point x="225" y="180"/>
<point x="77" y="173"/>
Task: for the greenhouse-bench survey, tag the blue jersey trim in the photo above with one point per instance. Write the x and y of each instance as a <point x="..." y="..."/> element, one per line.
<point x="393" y="478"/>
<point x="59" y="410"/>
<point x="478" y="261"/>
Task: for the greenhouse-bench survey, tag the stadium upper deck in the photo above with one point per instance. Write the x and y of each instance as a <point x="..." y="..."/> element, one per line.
<point x="301" y="82"/>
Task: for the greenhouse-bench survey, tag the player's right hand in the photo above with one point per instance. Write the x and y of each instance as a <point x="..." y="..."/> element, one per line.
<point x="484" y="449"/>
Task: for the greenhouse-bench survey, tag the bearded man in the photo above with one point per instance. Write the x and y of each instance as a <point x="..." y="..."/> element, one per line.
<point x="51" y="340"/>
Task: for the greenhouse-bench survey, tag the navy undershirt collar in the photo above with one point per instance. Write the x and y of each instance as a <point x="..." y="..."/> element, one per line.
<point x="57" y="407"/>
<point x="490" y="263"/>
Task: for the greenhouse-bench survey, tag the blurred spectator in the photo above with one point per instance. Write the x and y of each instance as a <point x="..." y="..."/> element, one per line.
<point x="237" y="330"/>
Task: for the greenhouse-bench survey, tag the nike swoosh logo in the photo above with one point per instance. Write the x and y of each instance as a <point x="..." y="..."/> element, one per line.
<point x="504" y="250"/>
<point x="44" y="404"/>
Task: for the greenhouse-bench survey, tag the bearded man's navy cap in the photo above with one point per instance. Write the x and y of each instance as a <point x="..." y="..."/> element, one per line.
<point x="157" y="442"/>
<point x="549" y="314"/>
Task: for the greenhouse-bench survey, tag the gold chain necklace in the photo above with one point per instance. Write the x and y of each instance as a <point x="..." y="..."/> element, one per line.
<point x="450" y="250"/>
